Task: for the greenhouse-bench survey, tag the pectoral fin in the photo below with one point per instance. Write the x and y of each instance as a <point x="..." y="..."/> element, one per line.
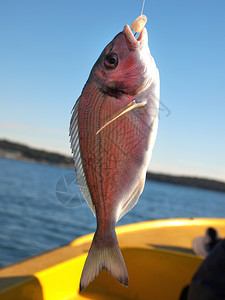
<point x="130" y="106"/>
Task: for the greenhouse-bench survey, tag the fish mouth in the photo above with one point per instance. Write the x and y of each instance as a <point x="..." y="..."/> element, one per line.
<point x="132" y="42"/>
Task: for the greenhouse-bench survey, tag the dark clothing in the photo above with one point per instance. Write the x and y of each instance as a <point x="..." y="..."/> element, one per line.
<point x="208" y="282"/>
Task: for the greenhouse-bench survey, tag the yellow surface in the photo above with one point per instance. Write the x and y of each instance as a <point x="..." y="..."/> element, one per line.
<point x="157" y="254"/>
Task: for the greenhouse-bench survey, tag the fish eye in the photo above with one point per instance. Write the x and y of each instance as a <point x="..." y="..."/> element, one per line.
<point x="111" y="61"/>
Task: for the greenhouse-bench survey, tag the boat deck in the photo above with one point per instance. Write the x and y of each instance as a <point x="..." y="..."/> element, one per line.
<point x="158" y="255"/>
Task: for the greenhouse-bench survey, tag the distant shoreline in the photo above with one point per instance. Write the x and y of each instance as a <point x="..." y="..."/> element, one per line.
<point x="22" y="152"/>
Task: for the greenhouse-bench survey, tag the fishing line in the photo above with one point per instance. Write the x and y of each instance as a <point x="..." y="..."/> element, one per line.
<point x="143" y="4"/>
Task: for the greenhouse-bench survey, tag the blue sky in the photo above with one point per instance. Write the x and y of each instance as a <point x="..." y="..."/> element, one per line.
<point x="49" y="47"/>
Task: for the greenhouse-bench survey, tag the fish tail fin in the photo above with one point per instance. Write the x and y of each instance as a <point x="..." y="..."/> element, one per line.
<point x="106" y="256"/>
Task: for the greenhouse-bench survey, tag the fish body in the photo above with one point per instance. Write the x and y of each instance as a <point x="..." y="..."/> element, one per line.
<point x="113" y="130"/>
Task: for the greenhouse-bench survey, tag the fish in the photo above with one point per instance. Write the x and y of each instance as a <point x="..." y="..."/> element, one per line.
<point x="113" y="129"/>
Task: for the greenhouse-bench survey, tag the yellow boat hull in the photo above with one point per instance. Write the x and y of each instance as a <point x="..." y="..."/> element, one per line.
<point x="158" y="255"/>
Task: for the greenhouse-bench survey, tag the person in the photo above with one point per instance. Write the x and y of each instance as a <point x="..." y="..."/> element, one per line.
<point x="208" y="283"/>
<point x="203" y="245"/>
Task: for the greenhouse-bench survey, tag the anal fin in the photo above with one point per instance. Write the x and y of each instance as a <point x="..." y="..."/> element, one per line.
<point x="132" y="201"/>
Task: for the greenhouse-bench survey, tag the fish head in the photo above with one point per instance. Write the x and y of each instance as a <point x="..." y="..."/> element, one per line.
<point x="125" y="65"/>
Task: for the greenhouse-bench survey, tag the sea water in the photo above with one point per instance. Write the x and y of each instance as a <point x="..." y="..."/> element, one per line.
<point x="34" y="219"/>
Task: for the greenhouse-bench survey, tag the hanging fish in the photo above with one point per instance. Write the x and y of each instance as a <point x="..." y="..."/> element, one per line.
<point x="112" y="131"/>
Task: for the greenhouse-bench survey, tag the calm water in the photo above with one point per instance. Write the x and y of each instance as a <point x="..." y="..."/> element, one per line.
<point x="32" y="219"/>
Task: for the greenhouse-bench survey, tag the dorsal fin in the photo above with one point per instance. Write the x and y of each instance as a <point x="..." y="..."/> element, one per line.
<point x="75" y="147"/>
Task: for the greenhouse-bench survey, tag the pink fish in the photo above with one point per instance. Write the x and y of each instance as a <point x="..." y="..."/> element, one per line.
<point x="113" y="130"/>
